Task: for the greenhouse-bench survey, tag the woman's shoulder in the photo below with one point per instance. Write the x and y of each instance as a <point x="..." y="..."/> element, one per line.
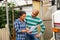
<point x="16" y="20"/>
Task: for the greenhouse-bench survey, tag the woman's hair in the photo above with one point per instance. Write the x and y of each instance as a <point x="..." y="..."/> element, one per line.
<point x="21" y="13"/>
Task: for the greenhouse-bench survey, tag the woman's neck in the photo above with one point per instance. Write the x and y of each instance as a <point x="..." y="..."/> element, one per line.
<point x="21" y="20"/>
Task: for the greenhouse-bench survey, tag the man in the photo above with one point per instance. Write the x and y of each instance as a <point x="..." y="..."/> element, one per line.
<point x="33" y="20"/>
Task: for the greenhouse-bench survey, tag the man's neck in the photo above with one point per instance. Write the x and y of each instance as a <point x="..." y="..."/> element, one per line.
<point x="33" y="17"/>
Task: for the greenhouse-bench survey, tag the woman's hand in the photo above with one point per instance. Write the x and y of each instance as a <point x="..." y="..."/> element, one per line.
<point x="27" y="29"/>
<point x="23" y="30"/>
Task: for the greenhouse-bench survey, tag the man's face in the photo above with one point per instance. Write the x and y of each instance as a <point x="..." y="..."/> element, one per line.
<point x="34" y="13"/>
<point x="23" y="16"/>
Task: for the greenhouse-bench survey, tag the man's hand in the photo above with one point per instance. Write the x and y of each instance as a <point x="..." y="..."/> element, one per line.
<point x="37" y="35"/>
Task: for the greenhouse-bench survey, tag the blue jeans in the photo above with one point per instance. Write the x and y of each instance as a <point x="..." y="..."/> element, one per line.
<point x="31" y="37"/>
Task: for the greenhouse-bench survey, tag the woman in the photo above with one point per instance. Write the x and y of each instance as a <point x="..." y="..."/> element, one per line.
<point x="20" y="26"/>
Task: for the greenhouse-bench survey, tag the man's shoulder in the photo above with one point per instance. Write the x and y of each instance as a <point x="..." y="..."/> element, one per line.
<point x="38" y="18"/>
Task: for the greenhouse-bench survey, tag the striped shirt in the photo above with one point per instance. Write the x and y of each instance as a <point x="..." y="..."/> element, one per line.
<point x="34" y="22"/>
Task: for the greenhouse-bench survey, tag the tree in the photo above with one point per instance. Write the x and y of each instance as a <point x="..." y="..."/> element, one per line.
<point x="3" y="20"/>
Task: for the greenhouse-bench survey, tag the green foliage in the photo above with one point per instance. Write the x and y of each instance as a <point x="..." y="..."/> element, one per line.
<point x="3" y="19"/>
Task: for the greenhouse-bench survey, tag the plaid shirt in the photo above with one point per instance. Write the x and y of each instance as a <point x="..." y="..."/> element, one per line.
<point x="18" y="25"/>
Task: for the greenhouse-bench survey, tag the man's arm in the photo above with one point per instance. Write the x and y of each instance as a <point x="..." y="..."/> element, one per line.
<point x="42" y="27"/>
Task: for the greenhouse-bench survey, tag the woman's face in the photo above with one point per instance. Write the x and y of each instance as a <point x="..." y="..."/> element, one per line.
<point x="23" y="16"/>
